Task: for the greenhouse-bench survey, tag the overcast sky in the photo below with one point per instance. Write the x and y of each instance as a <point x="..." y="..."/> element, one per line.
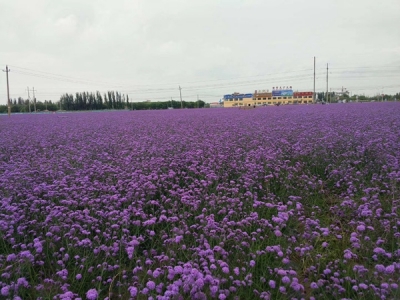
<point x="147" y="48"/>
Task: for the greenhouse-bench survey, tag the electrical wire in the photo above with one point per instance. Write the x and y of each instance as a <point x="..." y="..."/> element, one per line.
<point x="74" y="79"/>
<point x="352" y="73"/>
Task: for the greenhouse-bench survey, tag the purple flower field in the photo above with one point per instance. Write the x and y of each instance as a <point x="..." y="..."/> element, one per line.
<point x="292" y="202"/>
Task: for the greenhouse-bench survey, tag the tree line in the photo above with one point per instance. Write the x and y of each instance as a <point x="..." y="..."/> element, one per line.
<point x="115" y="100"/>
<point x="333" y="97"/>
<point x="167" y="104"/>
<point x="22" y="105"/>
<point x="95" y="101"/>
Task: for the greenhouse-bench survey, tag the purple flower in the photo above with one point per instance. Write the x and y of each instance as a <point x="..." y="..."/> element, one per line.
<point x="22" y="282"/>
<point x="178" y="239"/>
<point x="379" y="250"/>
<point x="91" y="294"/>
<point x="27" y="254"/>
<point x="5" y="290"/>
<point x="380" y="268"/>
<point x="285" y="261"/>
<point x="178" y="269"/>
<point x="285" y="279"/>
<point x="133" y="291"/>
<point x="130" y="251"/>
<point x="11" y="257"/>
<point x="363" y="286"/>
<point x="221" y="297"/>
<point x="151" y="285"/>
<point x="361" y="228"/>
<point x="200" y="283"/>
<point x="384" y="285"/>
<point x="348" y="254"/>
<point x="296" y="286"/>
<point x="282" y="272"/>
<point x="327" y="271"/>
<point x="67" y="296"/>
<point x="313" y="285"/>
<point x="390" y="269"/>
<point x="63" y="273"/>
<point x="187" y="209"/>
<point x="272" y="284"/>
<point x="213" y="289"/>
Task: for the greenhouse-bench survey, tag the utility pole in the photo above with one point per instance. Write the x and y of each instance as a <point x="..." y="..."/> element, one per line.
<point x="327" y="96"/>
<point x="180" y="93"/>
<point x="8" y="92"/>
<point x="197" y="101"/>
<point x="29" y="99"/>
<point x="314" y="82"/>
<point x="34" y="99"/>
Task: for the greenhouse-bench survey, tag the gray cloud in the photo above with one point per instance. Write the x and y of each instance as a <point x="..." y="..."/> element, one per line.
<point x="147" y="48"/>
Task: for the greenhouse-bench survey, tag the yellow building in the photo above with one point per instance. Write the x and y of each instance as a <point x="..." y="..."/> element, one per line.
<point x="264" y="97"/>
<point x="238" y="100"/>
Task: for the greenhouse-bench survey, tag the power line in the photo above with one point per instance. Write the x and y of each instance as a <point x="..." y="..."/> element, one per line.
<point x="354" y="75"/>
<point x="53" y="78"/>
<point x="137" y="90"/>
<point x="81" y="80"/>
<point x="165" y="89"/>
<point x="240" y="83"/>
<point x="58" y="75"/>
<point x="365" y="67"/>
<point x="74" y="79"/>
<point x="67" y="79"/>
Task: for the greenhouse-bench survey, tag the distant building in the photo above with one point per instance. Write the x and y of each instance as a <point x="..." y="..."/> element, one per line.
<point x="216" y="104"/>
<point x="278" y="96"/>
<point x="237" y="99"/>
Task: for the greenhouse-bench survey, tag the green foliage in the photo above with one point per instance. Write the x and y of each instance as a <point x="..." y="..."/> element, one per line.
<point x="24" y="107"/>
<point x="116" y="100"/>
<point x="166" y="104"/>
